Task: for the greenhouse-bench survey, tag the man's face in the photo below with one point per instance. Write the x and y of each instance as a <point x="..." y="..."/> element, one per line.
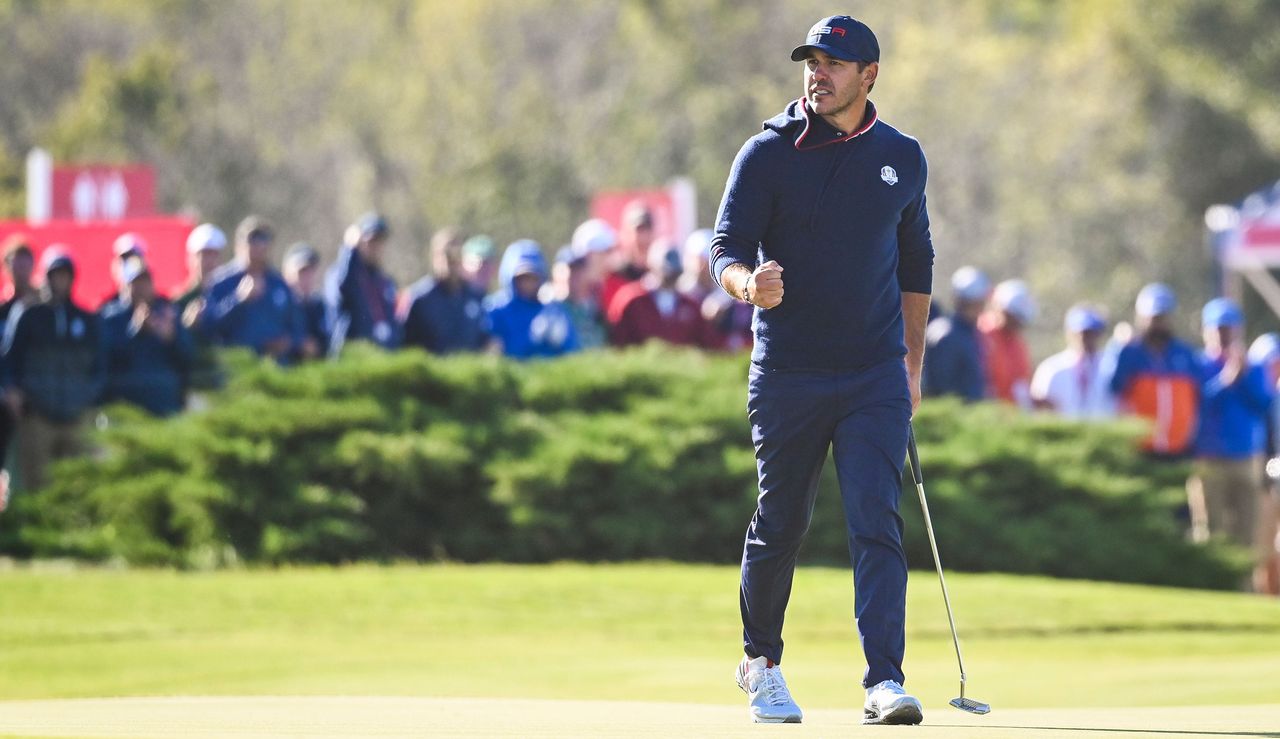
<point x="527" y="285"/>
<point x="59" y="282"/>
<point x="257" y="249"/>
<point x="205" y="261"/>
<point x="1217" y="338"/>
<point x="446" y="261"/>
<point x="303" y="280"/>
<point x="1158" y="327"/>
<point x="833" y="86"/>
<point x="371" y="248"/>
<point x="1085" y="341"/>
<point x="21" y="268"/>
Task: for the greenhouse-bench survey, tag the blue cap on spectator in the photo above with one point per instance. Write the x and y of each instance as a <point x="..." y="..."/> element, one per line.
<point x="843" y="38"/>
<point x="1265" y="349"/>
<point x="1156" y="299"/>
<point x="1082" y="318"/>
<point x="1221" y="312"/>
<point x="372" y="225"/>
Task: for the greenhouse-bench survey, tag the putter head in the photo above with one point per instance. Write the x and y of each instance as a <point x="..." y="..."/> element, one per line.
<point x="971" y="706"/>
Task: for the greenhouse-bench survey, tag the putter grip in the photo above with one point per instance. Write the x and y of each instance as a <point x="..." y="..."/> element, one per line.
<point x="914" y="455"/>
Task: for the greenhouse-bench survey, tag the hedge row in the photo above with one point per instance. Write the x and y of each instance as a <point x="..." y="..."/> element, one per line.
<point x="599" y="456"/>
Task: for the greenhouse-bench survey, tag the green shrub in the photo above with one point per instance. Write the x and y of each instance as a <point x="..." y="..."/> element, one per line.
<point x="598" y="456"/>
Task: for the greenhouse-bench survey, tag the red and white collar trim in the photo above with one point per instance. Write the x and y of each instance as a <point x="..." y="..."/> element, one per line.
<point x="809" y="126"/>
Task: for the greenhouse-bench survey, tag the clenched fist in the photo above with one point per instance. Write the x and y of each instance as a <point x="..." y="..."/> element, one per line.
<point x="764" y="286"/>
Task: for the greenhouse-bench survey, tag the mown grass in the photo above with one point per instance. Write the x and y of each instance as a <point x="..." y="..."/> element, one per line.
<point x="653" y="631"/>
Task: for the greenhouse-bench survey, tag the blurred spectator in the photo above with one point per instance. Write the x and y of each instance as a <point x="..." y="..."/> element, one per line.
<point x="1265" y="353"/>
<point x="361" y="297"/>
<point x="479" y="262"/>
<point x="652" y="308"/>
<point x="444" y="313"/>
<point x="301" y="267"/>
<point x="206" y="245"/>
<point x="1004" y="350"/>
<point x="631" y="256"/>
<point x="695" y="279"/>
<point x="1156" y="375"/>
<point x="522" y="325"/>
<point x="19" y="264"/>
<point x="1070" y="382"/>
<point x="570" y="288"/>
<point x="53" y="373"/>
<point x="146" y="349"/>
<point x="595" y="240"/>
<point x="729" y="319"/>
<point x="249" y="303"/>
<point x="953" y="362"/>
<point x="1225" y="489"/>
<point x="125" y="246"/>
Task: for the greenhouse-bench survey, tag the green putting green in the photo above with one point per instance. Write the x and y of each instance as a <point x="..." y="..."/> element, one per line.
<point x="651" y="632"/>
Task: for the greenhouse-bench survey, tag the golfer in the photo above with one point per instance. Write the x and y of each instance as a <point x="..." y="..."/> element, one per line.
<point x="823" y="228"/>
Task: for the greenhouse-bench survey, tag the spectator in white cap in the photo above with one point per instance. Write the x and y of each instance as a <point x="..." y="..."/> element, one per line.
<point x="1156" y="376"/>
<point x="595" y="240"/>
<point x="1005" y="352"/>
<point x="1264" y="352"/>
<point x="205" y="247"/>
<point x="954" y="362"/>
<point x="1070" y="382"/>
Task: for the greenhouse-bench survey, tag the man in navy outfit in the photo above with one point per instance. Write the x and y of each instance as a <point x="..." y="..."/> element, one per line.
<point x="823" y="228"/>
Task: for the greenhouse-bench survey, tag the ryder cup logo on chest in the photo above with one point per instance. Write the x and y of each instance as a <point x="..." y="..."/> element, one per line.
<point x="888" y="174"/>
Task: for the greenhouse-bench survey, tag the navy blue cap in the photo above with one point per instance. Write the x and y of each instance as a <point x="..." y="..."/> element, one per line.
<point x="372" y="225"/>
<point x="843" y="38"/>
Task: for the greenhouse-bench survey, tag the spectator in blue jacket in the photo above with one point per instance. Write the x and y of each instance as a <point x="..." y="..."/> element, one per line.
<point x="1225" y="490"/>
<point x="953" y="363"/>
<point x="249" y="303"/>
<point x="522" y="325"/>
<point x="147" y="350"/>
<point x="1264" y="352"/>
<point x="301" y="271"/>
<point x="53" y="373"/>
<point x="20" y="263"/>
<point x="360" y="295"/>
<point x="444" y="313"/>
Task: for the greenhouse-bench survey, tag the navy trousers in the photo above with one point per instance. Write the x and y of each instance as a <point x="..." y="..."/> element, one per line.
<point x="796" y="418"/>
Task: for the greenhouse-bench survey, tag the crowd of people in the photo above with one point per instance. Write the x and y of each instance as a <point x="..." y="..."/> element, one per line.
<point x="1216" y="406"/>
<point x="607" y="287"/>
<point x="59" y="360"/>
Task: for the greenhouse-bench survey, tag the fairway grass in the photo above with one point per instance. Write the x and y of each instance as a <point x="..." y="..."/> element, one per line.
<point x="654" y="633"/>
<point x="344" y="717"/>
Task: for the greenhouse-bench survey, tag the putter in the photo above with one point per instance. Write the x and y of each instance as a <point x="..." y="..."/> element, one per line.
<point x="964" y="704"/>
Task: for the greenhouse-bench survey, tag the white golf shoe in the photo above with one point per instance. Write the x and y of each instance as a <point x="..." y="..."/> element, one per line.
<point x="888" y="703"/>
<point x="766" y="689"/>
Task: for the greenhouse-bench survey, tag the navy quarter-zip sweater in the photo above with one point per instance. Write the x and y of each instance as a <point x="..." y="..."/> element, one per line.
<point x="843" y="213"/>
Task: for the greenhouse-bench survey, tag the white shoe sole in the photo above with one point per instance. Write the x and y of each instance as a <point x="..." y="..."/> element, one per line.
<point x="906" y="714"/>
<point x="791" y="719"/>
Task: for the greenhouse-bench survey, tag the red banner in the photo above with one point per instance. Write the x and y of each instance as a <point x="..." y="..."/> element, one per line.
<point x="103" y="192"/>
<point x="89" y="245"/>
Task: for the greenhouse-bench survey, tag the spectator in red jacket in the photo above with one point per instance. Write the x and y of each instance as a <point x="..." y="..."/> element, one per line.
<point x="652" y="308"/>
<point x="1004" y="348"/>
<point x="631" y="255"/>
